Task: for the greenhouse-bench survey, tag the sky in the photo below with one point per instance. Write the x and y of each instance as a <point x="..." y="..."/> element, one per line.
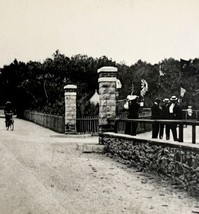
<point x="124" y="30"/>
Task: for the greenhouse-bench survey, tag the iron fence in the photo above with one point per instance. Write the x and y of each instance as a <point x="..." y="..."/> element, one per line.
<point x="88" y="124"/>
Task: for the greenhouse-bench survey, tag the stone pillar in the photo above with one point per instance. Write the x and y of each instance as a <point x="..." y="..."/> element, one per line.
<point x="107" y="96"/>
<point x="70" y="93"/>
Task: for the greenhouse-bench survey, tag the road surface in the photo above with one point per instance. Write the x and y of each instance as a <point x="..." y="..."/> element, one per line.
<point x="42" y="172"/>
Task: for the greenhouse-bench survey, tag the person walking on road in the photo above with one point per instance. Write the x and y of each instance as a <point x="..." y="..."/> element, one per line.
<point x="8" y="111"/>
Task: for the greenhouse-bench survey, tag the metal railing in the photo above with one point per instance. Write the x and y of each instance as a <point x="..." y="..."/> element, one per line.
<point x="180" y="123"/>
<point x="88" y="124"/>
<point x="194" y="116"/>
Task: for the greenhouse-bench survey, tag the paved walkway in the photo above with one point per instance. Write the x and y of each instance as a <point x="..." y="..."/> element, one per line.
<point x="42" y="172"/>
<point x="187" y="135"/>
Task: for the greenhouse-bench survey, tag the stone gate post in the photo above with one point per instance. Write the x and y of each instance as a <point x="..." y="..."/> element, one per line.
<point x="70" y="93"/>
<point x="107" y="95"/>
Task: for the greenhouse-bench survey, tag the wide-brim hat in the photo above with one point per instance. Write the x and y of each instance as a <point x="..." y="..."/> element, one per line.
<point x="132" y="97"/>
<point x="173" y="98"/>
<point x="166" y="100"/>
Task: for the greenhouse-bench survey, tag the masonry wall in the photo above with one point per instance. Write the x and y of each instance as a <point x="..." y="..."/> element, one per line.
<point x="53" y="122"/>
<point x="70" y="93"/>
<point x="107" y="106"/>
<point x="177" y="161"/>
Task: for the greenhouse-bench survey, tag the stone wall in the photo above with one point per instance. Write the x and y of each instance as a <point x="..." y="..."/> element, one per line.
<point x="178" y="161"/>
<point x="53" y="122"/>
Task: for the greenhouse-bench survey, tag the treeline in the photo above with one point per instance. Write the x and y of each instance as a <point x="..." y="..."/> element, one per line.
<point x="40" y="85"/>
<point x="163" y="86"/>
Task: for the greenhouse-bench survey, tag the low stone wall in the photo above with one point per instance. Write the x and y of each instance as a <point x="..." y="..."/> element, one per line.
<point x="178" y="161"/>
<point x="53" y="122"/>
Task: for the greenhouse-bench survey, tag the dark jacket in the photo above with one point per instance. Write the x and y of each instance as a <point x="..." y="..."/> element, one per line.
<point x="8" y="108"/>
<point x="165" y="111"/>
<point x="155" y="111"/>
<point x="177" y="112"/>
<point x="133" y="112"/>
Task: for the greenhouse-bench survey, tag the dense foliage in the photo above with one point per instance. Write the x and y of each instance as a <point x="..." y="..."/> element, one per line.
<point x="40" y="86"/>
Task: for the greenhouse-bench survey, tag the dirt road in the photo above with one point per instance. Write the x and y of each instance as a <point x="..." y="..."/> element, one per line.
<point x="42" y="172"/>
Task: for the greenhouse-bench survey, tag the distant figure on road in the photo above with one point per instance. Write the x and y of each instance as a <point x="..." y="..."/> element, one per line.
<point x="165" y="116"/>
<point x="8" y="111"/>
<point x="8" y="107"/>
<point x="175" y="113"/>
<point x="156" y="114"/>
<point x="133" y="113"/>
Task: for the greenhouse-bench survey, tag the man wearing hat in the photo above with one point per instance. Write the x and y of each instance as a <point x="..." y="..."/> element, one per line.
<point x="156" y="114"/>
<point x="133" y="113"/>
<point x="175" y="113"/>
<point x="164" y="116"/>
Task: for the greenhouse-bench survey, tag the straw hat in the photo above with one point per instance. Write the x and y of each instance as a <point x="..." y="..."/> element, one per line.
<point x="132" y="97"/>
<point x="173" y="98"/>
<point x="166" y="100"/>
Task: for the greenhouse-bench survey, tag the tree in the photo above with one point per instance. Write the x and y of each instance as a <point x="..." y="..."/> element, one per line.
<point x="40" y="86"/>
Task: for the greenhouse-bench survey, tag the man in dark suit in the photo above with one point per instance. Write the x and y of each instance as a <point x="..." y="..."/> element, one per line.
<point x="175" y="113"/>
<point x="164" y="116"/>
<point x="156" y="114"/>
<point x="133" y="113"/>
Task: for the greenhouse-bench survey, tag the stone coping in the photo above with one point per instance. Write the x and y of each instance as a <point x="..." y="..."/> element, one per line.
<point x="107" y="69"/>
<point x="70" y="87"/>
<point x="107" y="79"/>
<point x="193" y="147"/>
<point x="66" y="135"/>
<point x="70" y="93"/>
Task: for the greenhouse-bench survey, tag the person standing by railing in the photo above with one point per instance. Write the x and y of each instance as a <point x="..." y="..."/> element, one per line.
<point x="189" y="112"/>
<point x="133" y="113"/>
<point x="156" y="114"/>
<point x="175" y="113"/>
<point x="165" y="116"/>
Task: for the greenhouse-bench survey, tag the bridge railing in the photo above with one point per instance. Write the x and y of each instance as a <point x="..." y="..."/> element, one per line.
<point x="194" y="115"/>
<point x="141" y="127"/>
<point x="181" y="123"/>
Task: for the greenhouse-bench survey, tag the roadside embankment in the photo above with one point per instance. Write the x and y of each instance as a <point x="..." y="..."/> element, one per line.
<point x="179" y="162"/>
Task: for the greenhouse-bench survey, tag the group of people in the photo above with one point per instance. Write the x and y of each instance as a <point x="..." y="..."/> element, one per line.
<point x="168" y="109"/>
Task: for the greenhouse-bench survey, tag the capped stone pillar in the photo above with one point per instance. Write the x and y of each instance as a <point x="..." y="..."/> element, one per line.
<point x="107" y="95"/>
<point x="70" y="93"/>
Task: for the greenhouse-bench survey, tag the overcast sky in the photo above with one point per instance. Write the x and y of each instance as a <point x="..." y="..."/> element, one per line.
<point x="124" y="30"/>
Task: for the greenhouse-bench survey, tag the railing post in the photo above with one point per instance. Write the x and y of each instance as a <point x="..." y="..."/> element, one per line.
<point x="181" y="130"/>
<point x="70" y="109"/>
<point x="107" y="96"/>
<point x="116" y="124"/>
<point x="193" y="134"/>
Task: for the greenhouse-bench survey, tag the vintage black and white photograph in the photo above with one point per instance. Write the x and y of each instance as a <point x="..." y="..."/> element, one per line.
<point x="99" y="106"/>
